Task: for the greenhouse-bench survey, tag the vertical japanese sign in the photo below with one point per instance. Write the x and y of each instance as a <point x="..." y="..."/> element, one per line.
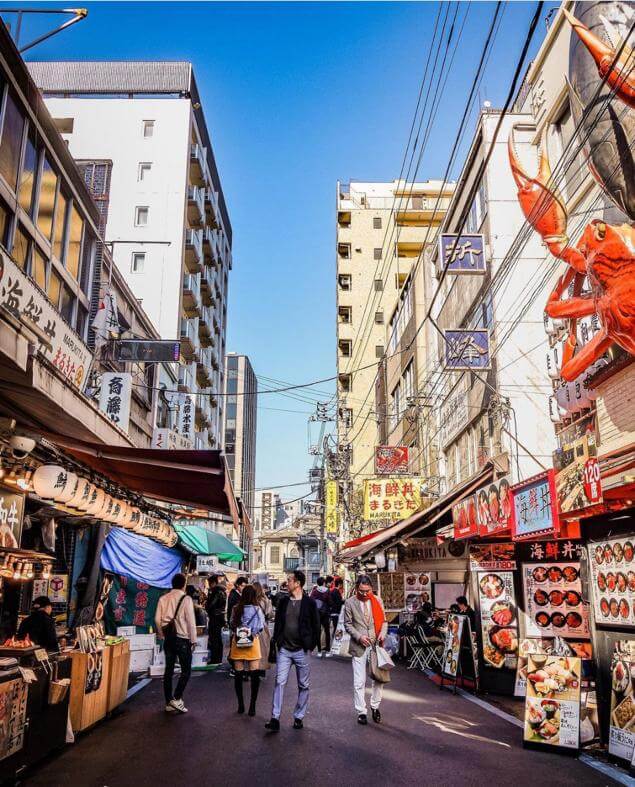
<point x="11" y="515"/>
<point x="391" y="499"/>
<point x="467" y="349"/>
<point x="114" y="399"/>
<point x="187" y="411"/>
<point x="391" y="459"/>
<point x="330" y="510"/>
<point x="462" y="253"/>
<point x="535" y="509"/>
<point x="578" y="483"/>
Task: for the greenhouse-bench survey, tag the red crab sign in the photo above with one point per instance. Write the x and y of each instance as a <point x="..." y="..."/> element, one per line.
<point x="605" y="254"/>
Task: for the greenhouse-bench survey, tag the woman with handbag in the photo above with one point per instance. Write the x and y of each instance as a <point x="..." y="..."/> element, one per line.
<point x="265" y="635"/>
<point x="247" y="621"/>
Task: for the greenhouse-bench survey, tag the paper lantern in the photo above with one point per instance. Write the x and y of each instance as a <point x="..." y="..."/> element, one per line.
<point x="49" y="481"/>
<point x="128" y="515"/>
<point x="556" y="413"/>
<point x="81" y="493"/>
<point x="113" y="515"/>
<point x="70" y="488"/>
<point x="96" y="501"/>
<point x="123" y="511"/>
<point x="106" y="511"/>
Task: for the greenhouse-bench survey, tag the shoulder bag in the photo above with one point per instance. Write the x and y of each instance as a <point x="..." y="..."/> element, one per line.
<point x="244" y="636"/>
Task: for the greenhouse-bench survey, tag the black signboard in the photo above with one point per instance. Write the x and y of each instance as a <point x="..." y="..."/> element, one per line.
<point x="147" y="350"/>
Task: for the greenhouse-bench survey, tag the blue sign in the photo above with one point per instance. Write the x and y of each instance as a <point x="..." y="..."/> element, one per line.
<point x="462" y="253"/>
<point x="534" y="507"/>
<point x="465" y="349"/>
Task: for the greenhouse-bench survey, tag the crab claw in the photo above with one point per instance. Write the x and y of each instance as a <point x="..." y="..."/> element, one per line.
<point x="618" y="72"/>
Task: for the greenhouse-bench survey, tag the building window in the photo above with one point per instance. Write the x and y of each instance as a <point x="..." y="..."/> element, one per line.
<point x="379" y="351"/>
<point x="27" y="177"/>
<point x="346" y="414"/>
<point x="144" y="170"/>
<point x="75" y="232"/>
<point x="344" y="250"/>
<point x="54" y="287"/>
<point x="11" y="142"/>
<point x="138" y="262"/>
<point x="345" y="314"/>
<point x="345" y="281"/>
<point x="346" y="347"/>
<point x="379" y="318"/>
<point x="141" y="216"/>
<point x="46" y="204"/>
<point x="377" y="254"/>
<point x="409" y="380"/>
<point x="64" y="125"/>
<point x="38" y="269"/>
<point x="21" y="245"/>
<point x="345" y="382"/>
<point x="379" y="285"/>
<point x="274" y="556"/>
<point x="148" y="128"/>
<point x="377" y="223"/>
<point x="59" y="226"/>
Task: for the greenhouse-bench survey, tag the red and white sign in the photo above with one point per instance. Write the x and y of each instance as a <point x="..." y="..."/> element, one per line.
<point x="494" y="508"/>
<point x="464" y="518"/>
<point x="592" y="483"/>
<point x="391" y="459"/>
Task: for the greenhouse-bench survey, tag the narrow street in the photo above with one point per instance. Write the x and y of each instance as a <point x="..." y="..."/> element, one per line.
<point x="427" y="737"/>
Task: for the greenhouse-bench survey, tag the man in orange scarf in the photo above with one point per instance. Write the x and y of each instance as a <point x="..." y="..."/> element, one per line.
<point x="365" y="622"/>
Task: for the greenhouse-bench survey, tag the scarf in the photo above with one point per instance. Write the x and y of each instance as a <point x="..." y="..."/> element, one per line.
<point x="378" y="613"/>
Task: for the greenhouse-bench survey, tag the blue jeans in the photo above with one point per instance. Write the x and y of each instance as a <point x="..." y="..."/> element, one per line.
<point x="300" y="659"/>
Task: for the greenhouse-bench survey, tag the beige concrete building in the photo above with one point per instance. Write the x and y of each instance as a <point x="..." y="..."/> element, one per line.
<point x="383" y="229"/>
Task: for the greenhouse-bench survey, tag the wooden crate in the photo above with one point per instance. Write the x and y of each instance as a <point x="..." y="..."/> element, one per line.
<point x="118" y="673"/>
<point x="88" y="709"/>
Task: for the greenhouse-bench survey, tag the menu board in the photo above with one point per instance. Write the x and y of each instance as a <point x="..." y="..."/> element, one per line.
<point x="552" y="704"/>
<point x="525" y="649"/>
<point x="452" y="649"/>
<point x="418" y="587"/>
<point x="13" y="697"/>
<point x="553" y="601"/>
<point x="392" y="593"/>
<point x="622" y="732"/>
<point x="613" y="580"/>
<point x="499" y="618"/>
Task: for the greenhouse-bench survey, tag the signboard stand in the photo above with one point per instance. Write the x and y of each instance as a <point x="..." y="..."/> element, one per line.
<point x="460" y="655"/>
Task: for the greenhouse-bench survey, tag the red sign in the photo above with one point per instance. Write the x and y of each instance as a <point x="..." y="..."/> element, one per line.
<point x="591" y="480"/>
<point x="464" y="518"/>
<point x="494" y="508"/>
<point x="391" y="459"/>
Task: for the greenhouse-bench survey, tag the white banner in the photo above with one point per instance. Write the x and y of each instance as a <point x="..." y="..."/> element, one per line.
<point x="168" y="438"/>
<point x="187" y="416"/>
<point x="114" y="399"/>
<point x="206" y="563"/>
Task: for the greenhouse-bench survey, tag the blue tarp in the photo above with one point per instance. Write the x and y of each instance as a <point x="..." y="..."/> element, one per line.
<point x="140" y="558"/>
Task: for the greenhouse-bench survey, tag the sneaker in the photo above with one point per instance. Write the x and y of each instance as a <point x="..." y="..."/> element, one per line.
<point x="297" y="724"/>
<point x="376" y="715"/>
<point x="273" y="725"/>
<point x="169" y="708"/>
<point x="328" y="656"/>
<point x="362" y="719"/>
<point x="179" y="706"/>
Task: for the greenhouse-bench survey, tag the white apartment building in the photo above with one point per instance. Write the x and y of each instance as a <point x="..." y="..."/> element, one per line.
<point x="168" y="223"/>
<point x="382" y="229"/>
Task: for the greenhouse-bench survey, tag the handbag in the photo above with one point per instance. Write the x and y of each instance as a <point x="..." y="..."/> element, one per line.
<point x="377" y="673"/>
<point x="169" y="630"/>
<point x="383" y="658"/>
<point x="244" y="636"/>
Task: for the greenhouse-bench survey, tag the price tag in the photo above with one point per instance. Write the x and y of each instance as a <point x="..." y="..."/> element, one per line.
<point x="28" y="675"/>
<point x="41" y="654"/>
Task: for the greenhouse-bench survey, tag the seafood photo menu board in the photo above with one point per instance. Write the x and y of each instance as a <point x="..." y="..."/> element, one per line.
<point x="613" y="581"/>
<point x="553" y="601"/>
<point x="552" y="704"/>
<point x="499" y="618"/>
<point x="622" y="729"/>
<point x="452" y="648"/>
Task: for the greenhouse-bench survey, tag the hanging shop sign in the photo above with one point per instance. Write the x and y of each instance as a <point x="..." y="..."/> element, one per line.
<point x="455" y="414"/>
<point x="463" y="253"/>
<point x="467" y="349"/>
<point x="613" y="581"/>
<point x="206" y="564"/>
<point x="492" y="557"/>
<point x="170" y="440"/>
<point x="554" y="605"/>
<point x="147" y="350"/>
<point x="60" y="345"/>
<point x="535" y="512"/>
<point x="114" y="398"/>
<point x="331" y="514"/>
<point x="418" y="588"/>
<point x="391" y="499"/>
<point x="58" y="588"/>
<point x="187" y="409"/>
<point x="622" y="728"/>
<point x="464" y="518"/>
<point x="392" y="590"/>
<point x="11" y="517"/>
<point x="423" y="549"/>
<point x="494" y="508"/>
<point x="391" y="460"/>
<point x="578" y="482"/>
<point x="499" y="618"/>
<point x="552" y="703"/>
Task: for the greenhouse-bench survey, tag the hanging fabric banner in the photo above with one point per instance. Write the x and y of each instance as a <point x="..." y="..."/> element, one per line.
<point x="140" y="558"/>
<point x="131" y="603"/>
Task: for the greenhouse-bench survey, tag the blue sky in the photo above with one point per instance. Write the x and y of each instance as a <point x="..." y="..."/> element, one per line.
<point x="297" y="96"/>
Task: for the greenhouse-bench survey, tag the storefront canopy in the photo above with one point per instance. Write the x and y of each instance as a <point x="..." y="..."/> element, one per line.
<point x="200" y="541"/>
<point x="192" y="478"/>
<point x="383" y="539"/>
<point x="130" y="555"/>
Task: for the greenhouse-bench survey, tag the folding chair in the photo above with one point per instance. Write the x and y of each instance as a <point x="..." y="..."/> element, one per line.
<point x="418" y="653"/>
<point x="434" y="649"/>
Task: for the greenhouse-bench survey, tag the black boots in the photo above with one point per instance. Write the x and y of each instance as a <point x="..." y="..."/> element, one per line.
<point x="255" y="685"/>
<point x="238" y="688"/>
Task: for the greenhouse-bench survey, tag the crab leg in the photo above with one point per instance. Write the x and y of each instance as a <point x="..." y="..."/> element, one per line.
<point x="590" y="353"/>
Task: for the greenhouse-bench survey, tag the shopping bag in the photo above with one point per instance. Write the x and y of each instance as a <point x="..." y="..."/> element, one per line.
<point x="341" y="640"/>
<point x="377" y="673"/>
<point x="383" y="658"/>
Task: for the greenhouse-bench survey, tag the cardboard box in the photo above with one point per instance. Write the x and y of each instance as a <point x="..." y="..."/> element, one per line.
<point x="142" y="641"/>
<point x="200" y="659"/>
<point x="126" y="631"/>
<point x="140" y="660"/>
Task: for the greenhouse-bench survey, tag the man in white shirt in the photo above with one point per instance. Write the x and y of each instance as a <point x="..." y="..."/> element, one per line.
<point x="178" y="607"/>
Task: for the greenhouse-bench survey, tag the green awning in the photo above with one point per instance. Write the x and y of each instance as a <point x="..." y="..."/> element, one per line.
<point x="200" y="541"/>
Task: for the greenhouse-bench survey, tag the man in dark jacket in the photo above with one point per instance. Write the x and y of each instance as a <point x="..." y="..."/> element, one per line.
<point x="337" y="602"/>
<point x="234" y="595"/>
<point x="215" y="608"/>
<point x="296" y="632"/>
<point x="40" y="625"/>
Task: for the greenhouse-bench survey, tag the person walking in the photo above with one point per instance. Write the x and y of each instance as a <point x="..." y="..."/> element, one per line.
<point x="234" y="595"/>
<point x="175" y="623"/>
<point x="247" y="614"/>
<point x="200" y="616"/>
<point x="365" y="622"/>
<point x="320" y="594"/>
<point x="215" y="607"/>
<point x="265" y="635"/>
<point x="296" y="633"/>
<point x="283" y="592"/>
<point x="337" y="602"/>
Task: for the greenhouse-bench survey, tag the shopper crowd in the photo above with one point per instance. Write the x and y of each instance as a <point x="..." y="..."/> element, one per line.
<point x="265" y="629"/>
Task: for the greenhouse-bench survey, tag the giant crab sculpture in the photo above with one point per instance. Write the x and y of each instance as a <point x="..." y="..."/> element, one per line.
<point x="605" y="254"/>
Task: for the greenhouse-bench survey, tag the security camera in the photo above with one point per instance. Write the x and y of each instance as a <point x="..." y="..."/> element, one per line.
<point x="21" y="447"/>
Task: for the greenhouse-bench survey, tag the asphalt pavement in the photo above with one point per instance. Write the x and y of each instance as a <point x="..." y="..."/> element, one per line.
<point x="427" y="737"/>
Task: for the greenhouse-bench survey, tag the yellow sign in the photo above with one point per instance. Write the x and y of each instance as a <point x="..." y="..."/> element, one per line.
<point x="331" y="513"/>
<point x="391" y="499"/>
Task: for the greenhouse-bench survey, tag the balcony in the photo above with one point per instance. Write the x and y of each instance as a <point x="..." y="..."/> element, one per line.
<point x="198" y="164"/>
<point x="211" y="208"/>
<point x="415" y="211"/>
<point x="214" y="358"/>
<point x="202" y="413"/>
<point x="192" y="294"/>
<point x="187" y="382"/>
<point x="205" y="327"/>
<point x="207" y="288"/>
<point x="210" y="246"/>
<point x="195" y="206"/>
<point x="189" y="338"/>
<point x="203" y="367"/>
<point x="201" y="441"/>
<point x="194" y="250"/>
<point x="291" y="563"/>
